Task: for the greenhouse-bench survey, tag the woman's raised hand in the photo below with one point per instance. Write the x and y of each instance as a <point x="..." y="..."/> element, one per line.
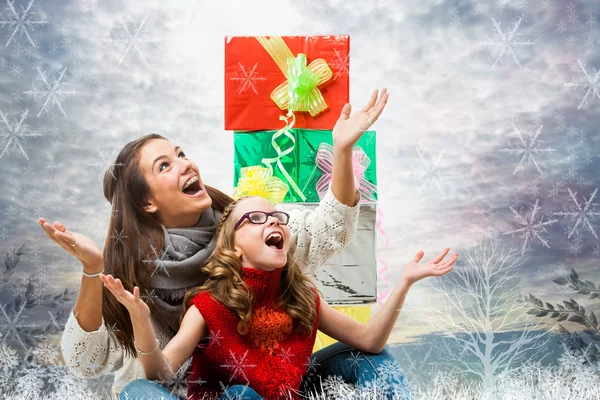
<point x="413" y="271"/>
<point x="348" y="129"/>
<point x="80" y="246"/>
<point x="132" y="302"/>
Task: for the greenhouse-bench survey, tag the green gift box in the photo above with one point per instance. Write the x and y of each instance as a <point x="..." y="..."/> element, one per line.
<point x="298" y="150"/>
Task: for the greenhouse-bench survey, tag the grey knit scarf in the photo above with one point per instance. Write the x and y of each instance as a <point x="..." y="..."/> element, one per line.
<point x="178" y="267"/>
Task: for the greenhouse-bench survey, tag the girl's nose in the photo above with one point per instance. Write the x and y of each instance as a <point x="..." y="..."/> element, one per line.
<point x="272" y="220"/>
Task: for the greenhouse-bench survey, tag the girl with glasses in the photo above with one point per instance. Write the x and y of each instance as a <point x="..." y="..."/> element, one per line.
<point x="258" y="315"/>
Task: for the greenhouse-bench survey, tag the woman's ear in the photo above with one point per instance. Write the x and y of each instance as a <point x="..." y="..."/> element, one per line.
<point x="150" y="207"/>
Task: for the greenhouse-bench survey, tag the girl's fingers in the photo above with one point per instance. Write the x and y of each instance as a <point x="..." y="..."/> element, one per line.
<point x="418" y="256"/>
<point x="441" y="256"/>
<point x="378" y="110"/>
<point x="136" y="293"/>
<point x="346" y="111"/>
<point x="371" y="102"/>
<point x="382" y="98"/>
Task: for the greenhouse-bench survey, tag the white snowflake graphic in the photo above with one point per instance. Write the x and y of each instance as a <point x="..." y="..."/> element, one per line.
<point x="21" y="23"/>
<point x="286" y="354"/>
<point x="528" y="151"/>
<point x="14" y="324"/>
<point x="119" y="237"/>
<point x="238" y="365"/>
<point x="530" y="228"/>
<point x="178" y="381"/>
<point x="247" y="78"/>
<point x="507" y="43"/>
<point x="159" y="260"/>
<point x="46" y="353"/>
<point x="390" y="371"/>
<point x="590" y="83"/>
<point x="335" y="387"/>
<point x="341" y="64"/>
<point x="15" y="133"/>
<point x="582" y="214"/>
<point x="51" y="93"/>
<point x="230" y="395"/>
<point x="107" y="163"/>
<point x="131" y="39"/>
<point x="433" y="172"/>
<point x="354" y="358"/>
<point x="311" y="365"/>
<point x="215" y="337"/>
<point x="148" y="296"/>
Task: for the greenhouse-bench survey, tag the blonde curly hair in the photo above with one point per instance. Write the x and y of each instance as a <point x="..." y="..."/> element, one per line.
<point x="224" y="281"/>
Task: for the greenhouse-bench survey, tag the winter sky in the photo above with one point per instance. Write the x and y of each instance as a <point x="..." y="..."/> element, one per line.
<point x="493" y="109"/>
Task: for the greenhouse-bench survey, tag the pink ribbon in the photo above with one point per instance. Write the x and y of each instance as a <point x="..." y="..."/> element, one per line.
<point x="360" y="163"/>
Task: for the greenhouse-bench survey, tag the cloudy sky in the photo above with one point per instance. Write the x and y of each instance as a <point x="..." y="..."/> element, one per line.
<point x="492" y="110"/>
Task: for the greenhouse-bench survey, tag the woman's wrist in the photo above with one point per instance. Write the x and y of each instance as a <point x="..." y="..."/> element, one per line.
<point x="92" y="269"/>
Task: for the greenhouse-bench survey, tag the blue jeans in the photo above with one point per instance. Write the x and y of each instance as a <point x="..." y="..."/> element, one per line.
<point x="147" y="390"/>
<point x="144" y="389"/>
<point x="327" y="370"/>
<point x="368" y="372"/>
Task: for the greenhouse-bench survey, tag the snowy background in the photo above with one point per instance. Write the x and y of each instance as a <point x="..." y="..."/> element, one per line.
<point x="488" y="146"/>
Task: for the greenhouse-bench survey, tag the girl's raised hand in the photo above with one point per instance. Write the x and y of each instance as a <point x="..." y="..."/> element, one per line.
<point x="348" y="129"/>
<point x="132" y="302"/>
<point x="413" y="271"/>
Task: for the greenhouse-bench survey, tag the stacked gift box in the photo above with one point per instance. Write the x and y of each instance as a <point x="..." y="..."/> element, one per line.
<point x="265" y="77"/>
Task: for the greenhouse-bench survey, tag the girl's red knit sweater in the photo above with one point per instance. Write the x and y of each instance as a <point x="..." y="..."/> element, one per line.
<point x="271" y="358"/>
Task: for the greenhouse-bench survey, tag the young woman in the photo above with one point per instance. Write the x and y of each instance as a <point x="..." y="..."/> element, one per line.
<point x="161" y="229"/>
<point x="265" y="310"/>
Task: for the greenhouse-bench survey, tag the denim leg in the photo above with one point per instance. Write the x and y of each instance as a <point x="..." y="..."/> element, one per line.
<point x="240" y="392"/>
<point x="366" y="371"/>
<point x="144" y="389"/>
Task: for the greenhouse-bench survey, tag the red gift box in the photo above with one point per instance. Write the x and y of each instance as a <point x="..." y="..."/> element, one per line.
<point x="251" y="75"/>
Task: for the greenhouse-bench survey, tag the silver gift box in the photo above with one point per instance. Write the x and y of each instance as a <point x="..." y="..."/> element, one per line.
<point x="350" y="277"/>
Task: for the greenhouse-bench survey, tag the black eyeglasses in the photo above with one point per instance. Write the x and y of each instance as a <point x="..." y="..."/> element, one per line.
<point x="260" y="217"/>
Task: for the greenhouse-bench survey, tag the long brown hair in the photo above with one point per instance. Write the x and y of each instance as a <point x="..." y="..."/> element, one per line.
<point x="132" y="260"/>
<point x="224" y="282"/>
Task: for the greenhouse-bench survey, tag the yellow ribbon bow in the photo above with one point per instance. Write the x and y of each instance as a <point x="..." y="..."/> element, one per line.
<point x="300" y="91"/>
<point x="259" y="181"/>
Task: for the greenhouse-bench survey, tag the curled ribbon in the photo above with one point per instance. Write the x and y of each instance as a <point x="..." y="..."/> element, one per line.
<point x="259" y="181"/>
<point x="300" y="90"/>
<point x="268" y="161"/>
<point x="360" y="163"/>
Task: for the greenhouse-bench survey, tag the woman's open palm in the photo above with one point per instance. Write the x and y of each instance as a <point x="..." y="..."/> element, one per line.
<point x="76" y="244"/>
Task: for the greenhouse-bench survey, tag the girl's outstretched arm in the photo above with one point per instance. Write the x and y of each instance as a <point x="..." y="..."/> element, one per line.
<point x="372" y="336"/>
<point x="158" y="364"/>
<point x="346" y="132"/>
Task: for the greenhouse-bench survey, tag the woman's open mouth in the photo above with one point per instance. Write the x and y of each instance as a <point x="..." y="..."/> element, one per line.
<point x="192" y="187"/>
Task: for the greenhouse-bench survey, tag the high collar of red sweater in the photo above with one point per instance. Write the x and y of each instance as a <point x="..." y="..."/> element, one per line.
<point x="264" y="285"/>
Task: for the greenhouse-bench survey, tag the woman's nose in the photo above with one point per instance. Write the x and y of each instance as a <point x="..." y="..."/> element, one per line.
<point x="185" y="164"/>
